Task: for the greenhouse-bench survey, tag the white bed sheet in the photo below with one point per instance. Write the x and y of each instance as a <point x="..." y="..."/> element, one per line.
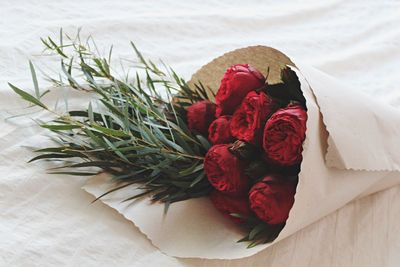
<point x="47" y="220"/>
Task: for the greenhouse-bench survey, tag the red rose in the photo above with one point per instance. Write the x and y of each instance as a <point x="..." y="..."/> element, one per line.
<point x="284" y="134"/>
<point x="219" y="131"/>
<point x="225" y="171"/>
<point x="238" y="80"/>
<point x="272" y="198"/>
<point x="249" y="119"/>
<point x="200" y="115"/>
<point x="227" y="205"/>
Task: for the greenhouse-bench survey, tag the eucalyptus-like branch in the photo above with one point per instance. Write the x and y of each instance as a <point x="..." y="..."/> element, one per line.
<point x="138" y="133"/>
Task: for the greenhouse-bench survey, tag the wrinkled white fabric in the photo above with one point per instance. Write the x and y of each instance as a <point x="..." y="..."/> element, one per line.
<point x="47" y="220"/>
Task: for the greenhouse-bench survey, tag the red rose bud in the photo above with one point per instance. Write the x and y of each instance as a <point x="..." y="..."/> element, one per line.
<point x="238" y="80"/>
<point x="224" y="171"/>
<point x="272" y="198"/>
<point x="249" y="119"/>
<point x="284" y="134"/>
<point x="219" y="131"/>
<point x="200" y="115"/>
<point x="228" y="205"/>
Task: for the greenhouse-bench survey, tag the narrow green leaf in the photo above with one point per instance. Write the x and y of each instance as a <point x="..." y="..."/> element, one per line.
<point x="34" y="79"/>
<point x="64" y="127"/>
<point x="111" y="107"/>
<point x="137" y="196"/>
<point x="256" y="230"/>
<point x="27" y="97"/>
<point x="192" y="169"/>
<point x="110" y="132"/>
<point x="115" y="149"/>
<point x="50" y="149"/>
<point x="113" y="190"/>
<point x="72" y="82"/>
<point x="45" y="43"/>
<point x="244" y="239"/>
<point x="254" y="243"/>
<point x="204" y="142"/>
<point x="199" y="178"/>
<point x="57" y="48"/>
<point x="96" y="163"/>
<point x="138" y="54"/>
<point x="90" y="113"/>
<point x="44" y="93"/>
<point x="76" y="173"/>
<point x="52" y="156"/>
<point x="166" y="207"/>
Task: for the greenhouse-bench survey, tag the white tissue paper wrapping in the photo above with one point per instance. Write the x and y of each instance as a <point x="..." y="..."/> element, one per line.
<point x="352" y="149"/>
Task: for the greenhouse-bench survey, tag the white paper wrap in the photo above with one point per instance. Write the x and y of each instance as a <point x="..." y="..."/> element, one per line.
<point x="352" y="149"/>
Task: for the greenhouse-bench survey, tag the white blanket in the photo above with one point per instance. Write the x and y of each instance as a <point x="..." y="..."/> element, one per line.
<point x="47" y="220"/>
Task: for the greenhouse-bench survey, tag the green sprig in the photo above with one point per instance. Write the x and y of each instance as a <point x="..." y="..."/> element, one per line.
<point x="138" y="136"/>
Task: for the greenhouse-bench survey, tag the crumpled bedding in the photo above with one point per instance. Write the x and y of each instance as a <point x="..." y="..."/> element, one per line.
<point x="47" y="220"/>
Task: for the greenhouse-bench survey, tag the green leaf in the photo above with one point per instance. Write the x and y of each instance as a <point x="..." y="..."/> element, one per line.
<point x="244" y="239"/>
<point x="63" y="127"/>
<point x="72" y="82"/>
<point x="199" y="178"/>
<point x="90" y="113"/>
<point x="111" y="107"/>
<point x="237" y="215"/>
<point x="52" y="156"/>
<point x="44" y="93"/>
<point x="56" y="47"/>
<point x="51" y="149"/>
<point x="98" y="163"/>
<point x="254" y="243"/>
<point x="195" y="167"/>
<point x="34" y="79"/>
<point x="95" y="139"/>
<point x="113" y="190"/>
<point x="137" y="196"/>
<point x="204" y="142"/>
<point x="138" y="54"/>
<point x="257" y="230"/>
<point x="166" y="207"/>
<point x="27" y="96"/>
<point x="115" y="149"/>
<point x="76" y="173"/>
<point x="110" y="132"/>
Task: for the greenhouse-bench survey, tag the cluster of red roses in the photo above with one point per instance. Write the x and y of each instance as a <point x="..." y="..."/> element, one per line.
<point x="246" y="119"/>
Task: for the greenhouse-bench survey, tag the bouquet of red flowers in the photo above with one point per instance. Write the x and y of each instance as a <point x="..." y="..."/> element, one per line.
<point x="257" y="144"/>
<point x="248" y="152"/>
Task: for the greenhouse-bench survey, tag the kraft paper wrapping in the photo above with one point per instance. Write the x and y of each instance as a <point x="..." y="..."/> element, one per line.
<point x="352" y="149"/>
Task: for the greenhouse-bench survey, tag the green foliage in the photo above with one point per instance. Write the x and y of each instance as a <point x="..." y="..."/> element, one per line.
<point x="258" y="232"/>
<point x="138" y="135"/>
